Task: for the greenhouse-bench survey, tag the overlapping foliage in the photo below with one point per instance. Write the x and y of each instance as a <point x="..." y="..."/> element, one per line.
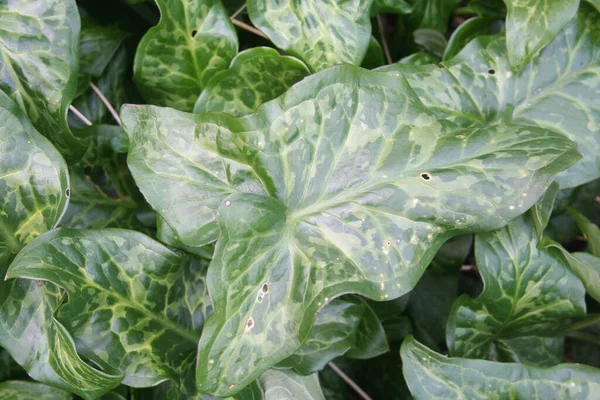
<point x="257" y="224"/>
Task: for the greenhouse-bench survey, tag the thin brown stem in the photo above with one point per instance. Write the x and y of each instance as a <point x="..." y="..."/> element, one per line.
<point x="386" y="49"/>
<point x="349" y="381"/>
<point x="111" y="109"/>
<point x="249" y="28"/>
<point x="80" y="115"/>
<point x="235" y="14"/>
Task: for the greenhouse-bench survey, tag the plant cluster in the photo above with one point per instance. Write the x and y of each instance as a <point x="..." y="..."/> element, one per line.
<point x="307" y="199"/>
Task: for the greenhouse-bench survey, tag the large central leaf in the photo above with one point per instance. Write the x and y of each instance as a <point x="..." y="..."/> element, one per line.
<point x="361" y="184"/>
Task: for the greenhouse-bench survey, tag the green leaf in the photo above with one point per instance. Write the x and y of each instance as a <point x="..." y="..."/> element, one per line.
<point x="9" y="369"/>
<point x="23" y="390"/>
<point x="433" y="14"/>
<point x="532" y="24"/>
<point x="595" y="3"/>
<point x="103" y="193"/>
<point x="38" y="65"/>
<point x="134" y="306"/>
<point x="165" y="234"/>
<point x="321" y="33"/>
<point x="391" y="7"/>
<point x="589" y="230"/>
<point x="528" y="297"/>
<point x="467" y="31"/>
<point x="34" y="184"/>
<point x="175" y="59"/>
<point x="542" y="210"/>
<point x="97" y="46"/>
<point x="255" y="76"/>
<point x="41" y="344"/>
<point x="370" y="339"/>
<point x="488" y="8"/>
<point x="431" y="40"/>
<point x="332" y="221"/>
<point x="374" y="56"/>
<point x="477" y="87"/>
<point x="432" y="376"/>
<point x="286" y="385"/>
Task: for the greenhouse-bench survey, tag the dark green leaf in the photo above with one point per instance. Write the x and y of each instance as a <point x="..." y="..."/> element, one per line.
<point x="23" y="390"/>
<point x="134" y="306"/>
<point x="532" y="24"/>
<point x="542" y="210"/>
<point x="589" y="230"/>
<point x="528" y="298"/>
<point x="488" y="8"/>
<point x="595" y="3"/>
<point x="192" y="42"/>
<point x="431" y="40"/>
<point x="466" y="32"/>
<point x="391" y="7"/>
<point x="374" y="57"/>
<point x="332" y="221"/>
<point x="433" y="14"/>
<point x="477" y="87"/>
<point x="9" y="369"/>
<point x="370" y="339"/>
<point x="255" y="76"/>
<point x="34" y="184"/>
<point x="38" y="65"/>
<point x="432" y="376"/>
<point x="321" y="33"/>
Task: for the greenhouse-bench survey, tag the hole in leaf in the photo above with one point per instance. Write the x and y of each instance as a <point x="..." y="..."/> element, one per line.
<point x="68" y="193"/>
<point x="265" y="288"/>
<point x="249" y="324"/>
<point x="388" y="243"/>
<point x="425" y="176"/>
<point x="491" y="71"/>
<point x="194" y="33"/>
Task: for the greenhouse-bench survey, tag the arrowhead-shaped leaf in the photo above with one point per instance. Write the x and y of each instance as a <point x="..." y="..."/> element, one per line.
<point x="134" y="306"/>
<point x="38" y="65"/>
<point x="34" y="184"/>
<point x="321" y="33"/>
<point x="478" y="87"/>
<point x="255" y="76"/>
<point x="532" y="24"/>
<point x="24" y="390"/>
<point x="432" y="376"/>
<point x="362" y="184"/>
<point x="175" y="59"/>
<point x="528" y="298"/>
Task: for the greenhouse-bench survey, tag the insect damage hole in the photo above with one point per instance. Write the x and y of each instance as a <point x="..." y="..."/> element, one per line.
<point x="265" y="288"/>
<point x="426" y="176"/>
<point x="194" y="33"/>
<point x="249" y="324"/>
<point x="68" y="193"/>
<point x="491" y="71"/>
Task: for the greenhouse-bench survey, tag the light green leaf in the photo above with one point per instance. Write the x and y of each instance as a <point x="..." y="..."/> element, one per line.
<point x="286" y="385"/>
<point x="165" y="234"/>
<point x="542" y="210"/>
<point x="532" y="24"/>
<point x="41" y="344"/>
<point x="528" y="297"/>
<point x="175" y="59"/>
<point x="477" y="87"/>
<point x="322" y="33"/>
<point x="432" y="376"/>
<point x="34" y="184"/>
<point x="38" y="65"/>
<point x="589" y="230"/>
<point x="332" y="221"/>
<point x="419" y="58"/>
<point x="134" y="306"/>
<point x="431" y="40"/>
<point x="255" y="76"/>
<point x="466" y="32"/>
<point x="24" y="390"/>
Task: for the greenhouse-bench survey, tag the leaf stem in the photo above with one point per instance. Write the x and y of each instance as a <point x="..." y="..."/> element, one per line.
<point x="111" y="109"/>
<point x="349" y="381"/>
<point x="386" y="49"/>
<point x="584" y="323"/>
<point x="235" y="14"/>
<point x="80" y="115"/>
<point x="249" y="28"/>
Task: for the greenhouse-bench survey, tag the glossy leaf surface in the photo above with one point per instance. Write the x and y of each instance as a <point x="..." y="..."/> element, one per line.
<point x="432" y="376"/>
<point x="175" y="59"/>
<point x="34" y="183"/>
<point x="478" y="87"/>
<point x="38" y="65"/>
<point x="339" y="222"/>
<point x="532" y="24"/>
<point x="322" y="33"/>
<point x="528" y="298"/>
<point x="134" y="306"/>
<point x="255" y="76"/>
<point x="286" y="385"/>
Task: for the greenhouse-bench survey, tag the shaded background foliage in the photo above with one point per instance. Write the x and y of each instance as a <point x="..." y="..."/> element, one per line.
<point x="191" y="254"/>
